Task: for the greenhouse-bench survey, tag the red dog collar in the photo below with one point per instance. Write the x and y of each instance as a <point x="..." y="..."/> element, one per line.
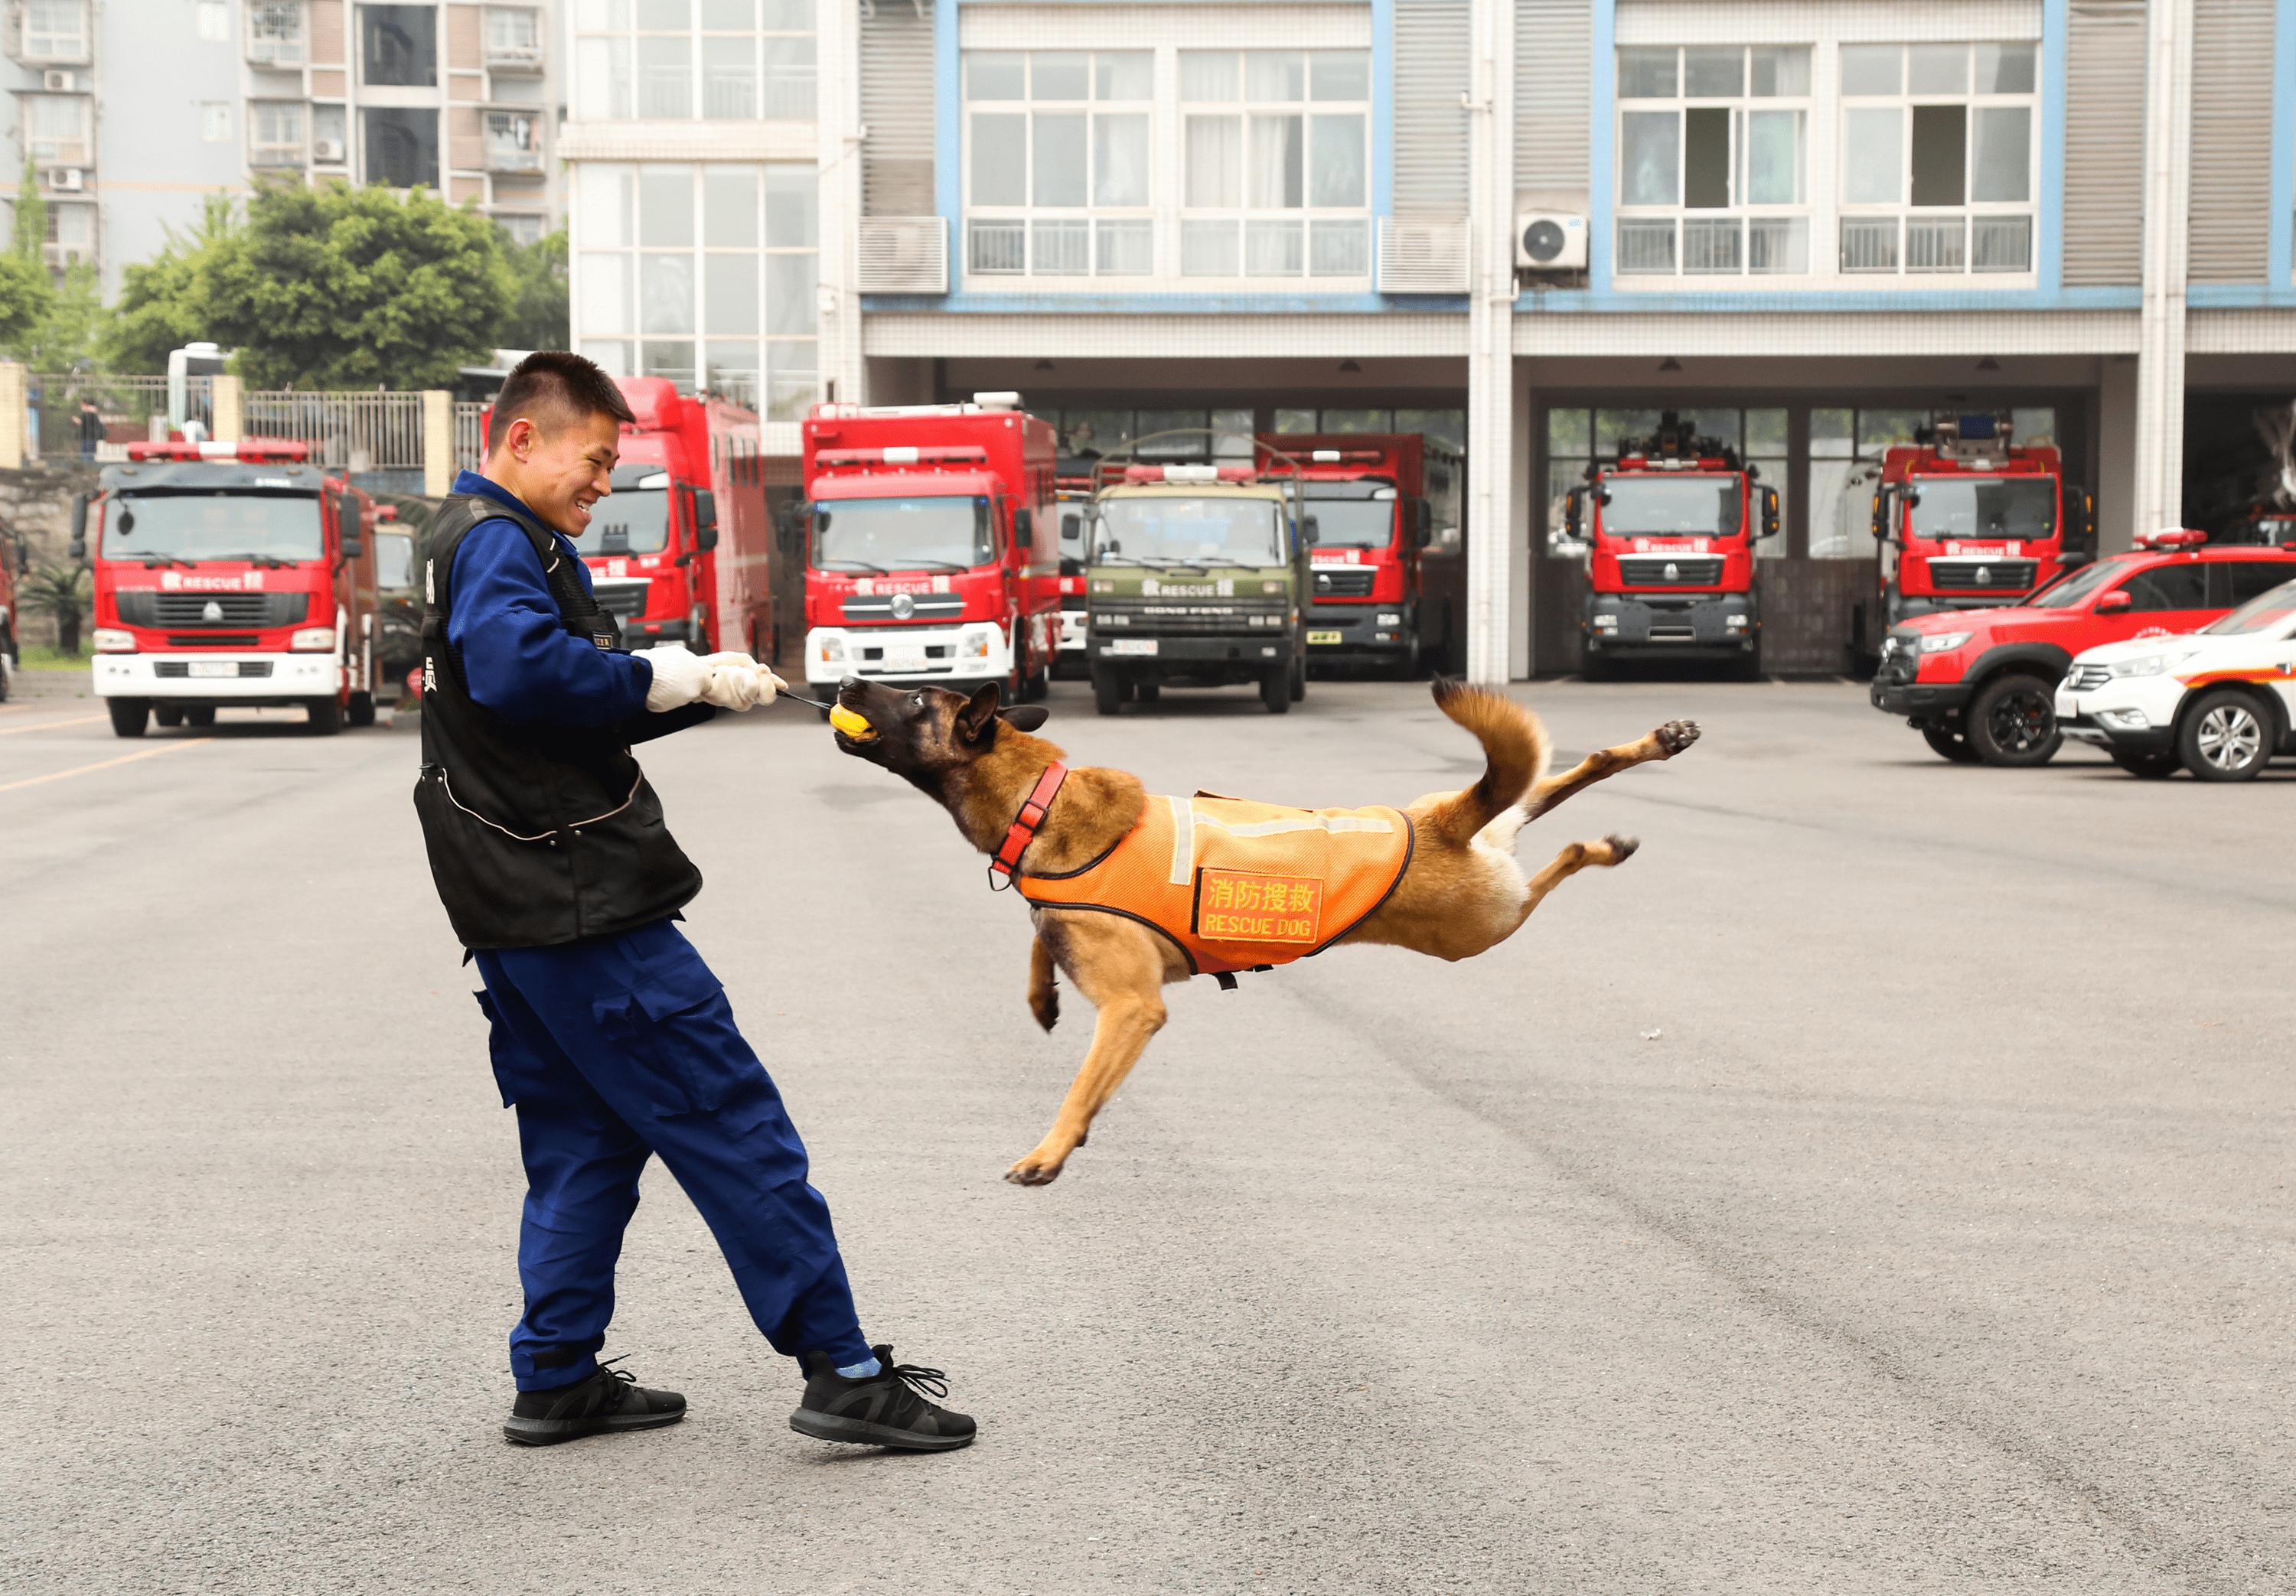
<point x="1023" y="830"/>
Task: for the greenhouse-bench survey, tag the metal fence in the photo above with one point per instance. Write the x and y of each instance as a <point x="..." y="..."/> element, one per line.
<point x="128" y="410"/>
<point x="470" y="436"/>
<point x="354" y="432"/>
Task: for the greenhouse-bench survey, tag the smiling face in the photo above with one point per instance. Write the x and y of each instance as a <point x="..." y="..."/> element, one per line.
<point x="560" y="473"/>
<point x="922" y="734"/>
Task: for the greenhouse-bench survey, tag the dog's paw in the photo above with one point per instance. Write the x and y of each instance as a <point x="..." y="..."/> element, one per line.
<point x="1677" y="735"/>
<point x="1047" y="1008"/>
<point x="1028" y="1172"/>
<point x="1622" y="848"/>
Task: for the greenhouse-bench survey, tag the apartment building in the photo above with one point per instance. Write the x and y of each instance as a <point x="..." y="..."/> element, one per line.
<point x="1535" y="223"/>
<point x="133" y="110"/>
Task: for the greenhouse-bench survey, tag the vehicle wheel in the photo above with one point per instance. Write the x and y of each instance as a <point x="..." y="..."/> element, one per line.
<point x="1948" y="744"/>
<point x="361" y="712"/>
<point x="1275" y="690"/>
<point x="2150" y="767"/>
<point x="326" y="716"/>
<point x="1594" y="668"/>
<point x="167" y="714"/>
<point x="128" y="716"/>
<point x="2012" y="721"/>
<point x="1107" y="691"/>
<point x="2226" y="738"/>
<point x="200" y="715"/>
<point x="1146" y="692"/>
<point x="7" y="663"/>
<point x="1749" y="668"/>
<point x="1298" y="686"/>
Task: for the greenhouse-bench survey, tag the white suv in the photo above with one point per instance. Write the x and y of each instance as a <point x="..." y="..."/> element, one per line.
<point x="2221" y="701"/>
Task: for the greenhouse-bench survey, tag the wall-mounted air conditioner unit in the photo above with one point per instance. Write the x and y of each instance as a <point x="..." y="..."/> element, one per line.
<point x="327" y="152"/>
<point x="65" y="180"/>
<point x="58" y="83"/>
<point x="1550" y="240"/>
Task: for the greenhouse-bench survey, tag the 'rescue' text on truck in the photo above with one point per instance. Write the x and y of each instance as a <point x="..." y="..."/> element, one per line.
<point x="1669" y="527"/>
<point x="1969" y="518"/>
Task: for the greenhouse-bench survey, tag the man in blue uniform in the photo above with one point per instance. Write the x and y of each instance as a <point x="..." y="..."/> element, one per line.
<point x="610" y="1034"/>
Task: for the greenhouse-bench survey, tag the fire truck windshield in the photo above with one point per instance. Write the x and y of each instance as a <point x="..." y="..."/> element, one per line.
<point x="1154" y="529"/>
<point x="2273" y="607"/>
<point x="892" y="534"/>
<point x="195" y="526"/>
<point x="632" y="520"/>
<point x="2018" y="507"/>
<point x="1352" y="515"/>
<point x="1671" y="506"/>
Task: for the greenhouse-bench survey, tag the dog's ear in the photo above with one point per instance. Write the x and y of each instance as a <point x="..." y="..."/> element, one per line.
<point x="1026" y="718"/>
<point x="977" y="718"/>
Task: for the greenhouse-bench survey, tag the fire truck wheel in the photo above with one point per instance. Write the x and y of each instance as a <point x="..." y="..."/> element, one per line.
<point x="1146" y="692"/>
<point x="200" y="715"/>
<point x="2226" y="737"/>
<point x="325" y="716"/>
<point x="1948" y="744"/>
<point x="1275" y="690"/>
<point x="1749" y="665"/>
<point x="2149" y="767"/>
<point x="2012" y="721"/>
<point x="1299" y="681"/>
<point x="167" y="714"/>
<point x="361" y="712"/>
<point x="1107" y="691"/>
<point x="128" y="716"/>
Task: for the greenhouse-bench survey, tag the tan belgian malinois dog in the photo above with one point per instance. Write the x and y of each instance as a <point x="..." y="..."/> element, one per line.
<point x="1459" y="893"/>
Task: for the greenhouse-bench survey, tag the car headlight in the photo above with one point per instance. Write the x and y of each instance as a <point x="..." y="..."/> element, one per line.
<point x="1390" y="620"/>
<point x="111" y="640"/>
<point x="2149" y="665"/>
<point x="974" y="645"/>
<point x="313" y="640"/>
<point x="1945" y="643"/>
<point x="833" y="651"/>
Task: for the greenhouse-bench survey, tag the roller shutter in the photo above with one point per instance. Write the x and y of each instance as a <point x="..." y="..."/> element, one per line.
<point x="2104" y="142"/>
<point x="2232" y="141"/>
<point x="1553" y="74"/>
<point x="1432" y="71"/>
<point x="897" y="108"/>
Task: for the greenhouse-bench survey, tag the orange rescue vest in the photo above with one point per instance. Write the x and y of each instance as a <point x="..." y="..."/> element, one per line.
<point x="1238" y="885"/>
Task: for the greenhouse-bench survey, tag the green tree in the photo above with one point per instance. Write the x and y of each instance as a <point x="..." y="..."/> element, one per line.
<point x="62" y="592"/>
<point x="71" y="335"/>
<point x="341" y="288"/>
<point x="162" y="304"/>
<point x="26" y="291"/>
<point x="539" y="317"/>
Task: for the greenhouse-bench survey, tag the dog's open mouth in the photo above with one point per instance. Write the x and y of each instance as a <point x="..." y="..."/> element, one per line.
<point x="852" y="726"/>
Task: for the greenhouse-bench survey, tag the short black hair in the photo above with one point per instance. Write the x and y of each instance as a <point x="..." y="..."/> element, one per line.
<point x="552" y="388"/>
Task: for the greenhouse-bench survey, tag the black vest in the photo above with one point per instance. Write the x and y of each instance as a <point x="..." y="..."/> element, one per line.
<point x="538" y="835"/>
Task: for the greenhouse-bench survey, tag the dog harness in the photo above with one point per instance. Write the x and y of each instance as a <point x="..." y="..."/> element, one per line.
<point x="1234" y="885"/>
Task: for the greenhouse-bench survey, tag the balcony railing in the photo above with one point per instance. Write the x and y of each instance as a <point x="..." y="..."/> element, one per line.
<point x="1645" y="246"/>
<point x="1869" y="243"/>
<point x="275" y="155"/>
<point x="996" y="248"/>
<point x="1419" y="256"/>
<point x="1956" y="245"/>
<point x="903" y="255"/>
<point x="504" y="155"/>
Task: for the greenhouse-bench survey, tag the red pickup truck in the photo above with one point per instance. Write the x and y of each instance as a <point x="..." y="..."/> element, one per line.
<point x="1980" y="684"/>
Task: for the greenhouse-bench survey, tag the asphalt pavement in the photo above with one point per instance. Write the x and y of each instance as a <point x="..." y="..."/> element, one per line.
<point x="1880" y="1183"/>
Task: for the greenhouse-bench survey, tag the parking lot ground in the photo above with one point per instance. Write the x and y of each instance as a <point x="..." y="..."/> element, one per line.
<point x="1880" y="1183"/>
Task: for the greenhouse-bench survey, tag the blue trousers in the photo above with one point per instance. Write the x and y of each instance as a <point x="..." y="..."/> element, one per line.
<point x="614" y="1050"/>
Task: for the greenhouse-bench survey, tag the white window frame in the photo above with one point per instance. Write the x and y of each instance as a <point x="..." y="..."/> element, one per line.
<point x="50" y="151"/>
<point x="517" y="133"/>
<point x="1307" y="215"/>
<point x="274" y="150"/>
<point x="1767" y="229"/>
<point x="501" y="49"/>
<point x="277" y="33"/>
<point x="1862" y="222"/>
<point x="1029" y="239"/>
<point x="51" y="48"/>
<point x="784" y="77"/>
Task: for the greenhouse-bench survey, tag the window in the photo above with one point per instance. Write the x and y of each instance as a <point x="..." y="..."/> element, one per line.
<point x="71" y="234"/>
<point x="329" y="137"/>
<point x="1937" y="157"/>
<point x="1713" y="160"/>
<point x="55" y="129"/>
<point x="56" y="30"/>
<point x="706" y="276"/>
<point x="1057" y="163"/>
<point x="215" y="122"/>
<point x="1273" y="163"/>
<point x="513" y="36"/>
<point x="275" y="33"/>
<point x="274" y="132"/>
<point x="513" y="141"/>
<point x="214" y="22"/>
<point x="520" y="227"/>
<point x="679" y="59"/>
<point x="398" y="45"/>
<point x="2168" y="588"/>
<point x="1577" y="438"/>
<point x="401" y="146"/>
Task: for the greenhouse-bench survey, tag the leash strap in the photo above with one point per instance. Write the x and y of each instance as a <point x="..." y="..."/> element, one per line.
<point x="1023" y="829"/>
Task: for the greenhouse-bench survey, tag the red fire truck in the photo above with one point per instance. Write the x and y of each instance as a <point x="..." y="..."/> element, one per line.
<point x="1671" y="550"/>
<point x="1376" y="501"/>
<point x="1967" y="518"/>
<point x="933" y="551"/>
<point x="230" y="574"/>
<point x="681" y="550"/>
<point x="13" y="565"/>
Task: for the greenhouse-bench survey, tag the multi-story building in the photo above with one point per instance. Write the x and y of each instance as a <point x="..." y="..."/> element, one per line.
<point x="1807" y="221"/>
<point x="133" y="110"/>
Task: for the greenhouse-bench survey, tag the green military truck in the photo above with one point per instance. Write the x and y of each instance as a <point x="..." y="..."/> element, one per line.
<point x="1195" y="573"/>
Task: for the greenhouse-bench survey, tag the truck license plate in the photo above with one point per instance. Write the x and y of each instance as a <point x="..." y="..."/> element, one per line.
<point x="213" y="667"/>
<point x="1130" y="645"/>
<point x="902" y="663"/>
<point x="1317" y="637"/>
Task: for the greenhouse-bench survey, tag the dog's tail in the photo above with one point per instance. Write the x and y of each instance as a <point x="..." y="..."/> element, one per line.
<point x="1515" y="751"/>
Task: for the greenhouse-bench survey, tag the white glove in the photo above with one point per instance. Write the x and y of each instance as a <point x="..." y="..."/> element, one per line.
<point x="741" y="682"/>
<point x="679" y="677"/>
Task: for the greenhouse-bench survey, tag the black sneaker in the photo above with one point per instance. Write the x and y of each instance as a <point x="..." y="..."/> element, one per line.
<point x="884" y="1409"/>
<point x="610" y="1399"/>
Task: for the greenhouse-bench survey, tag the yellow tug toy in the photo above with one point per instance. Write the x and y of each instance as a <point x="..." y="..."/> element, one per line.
<point x="851" y="725"/>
